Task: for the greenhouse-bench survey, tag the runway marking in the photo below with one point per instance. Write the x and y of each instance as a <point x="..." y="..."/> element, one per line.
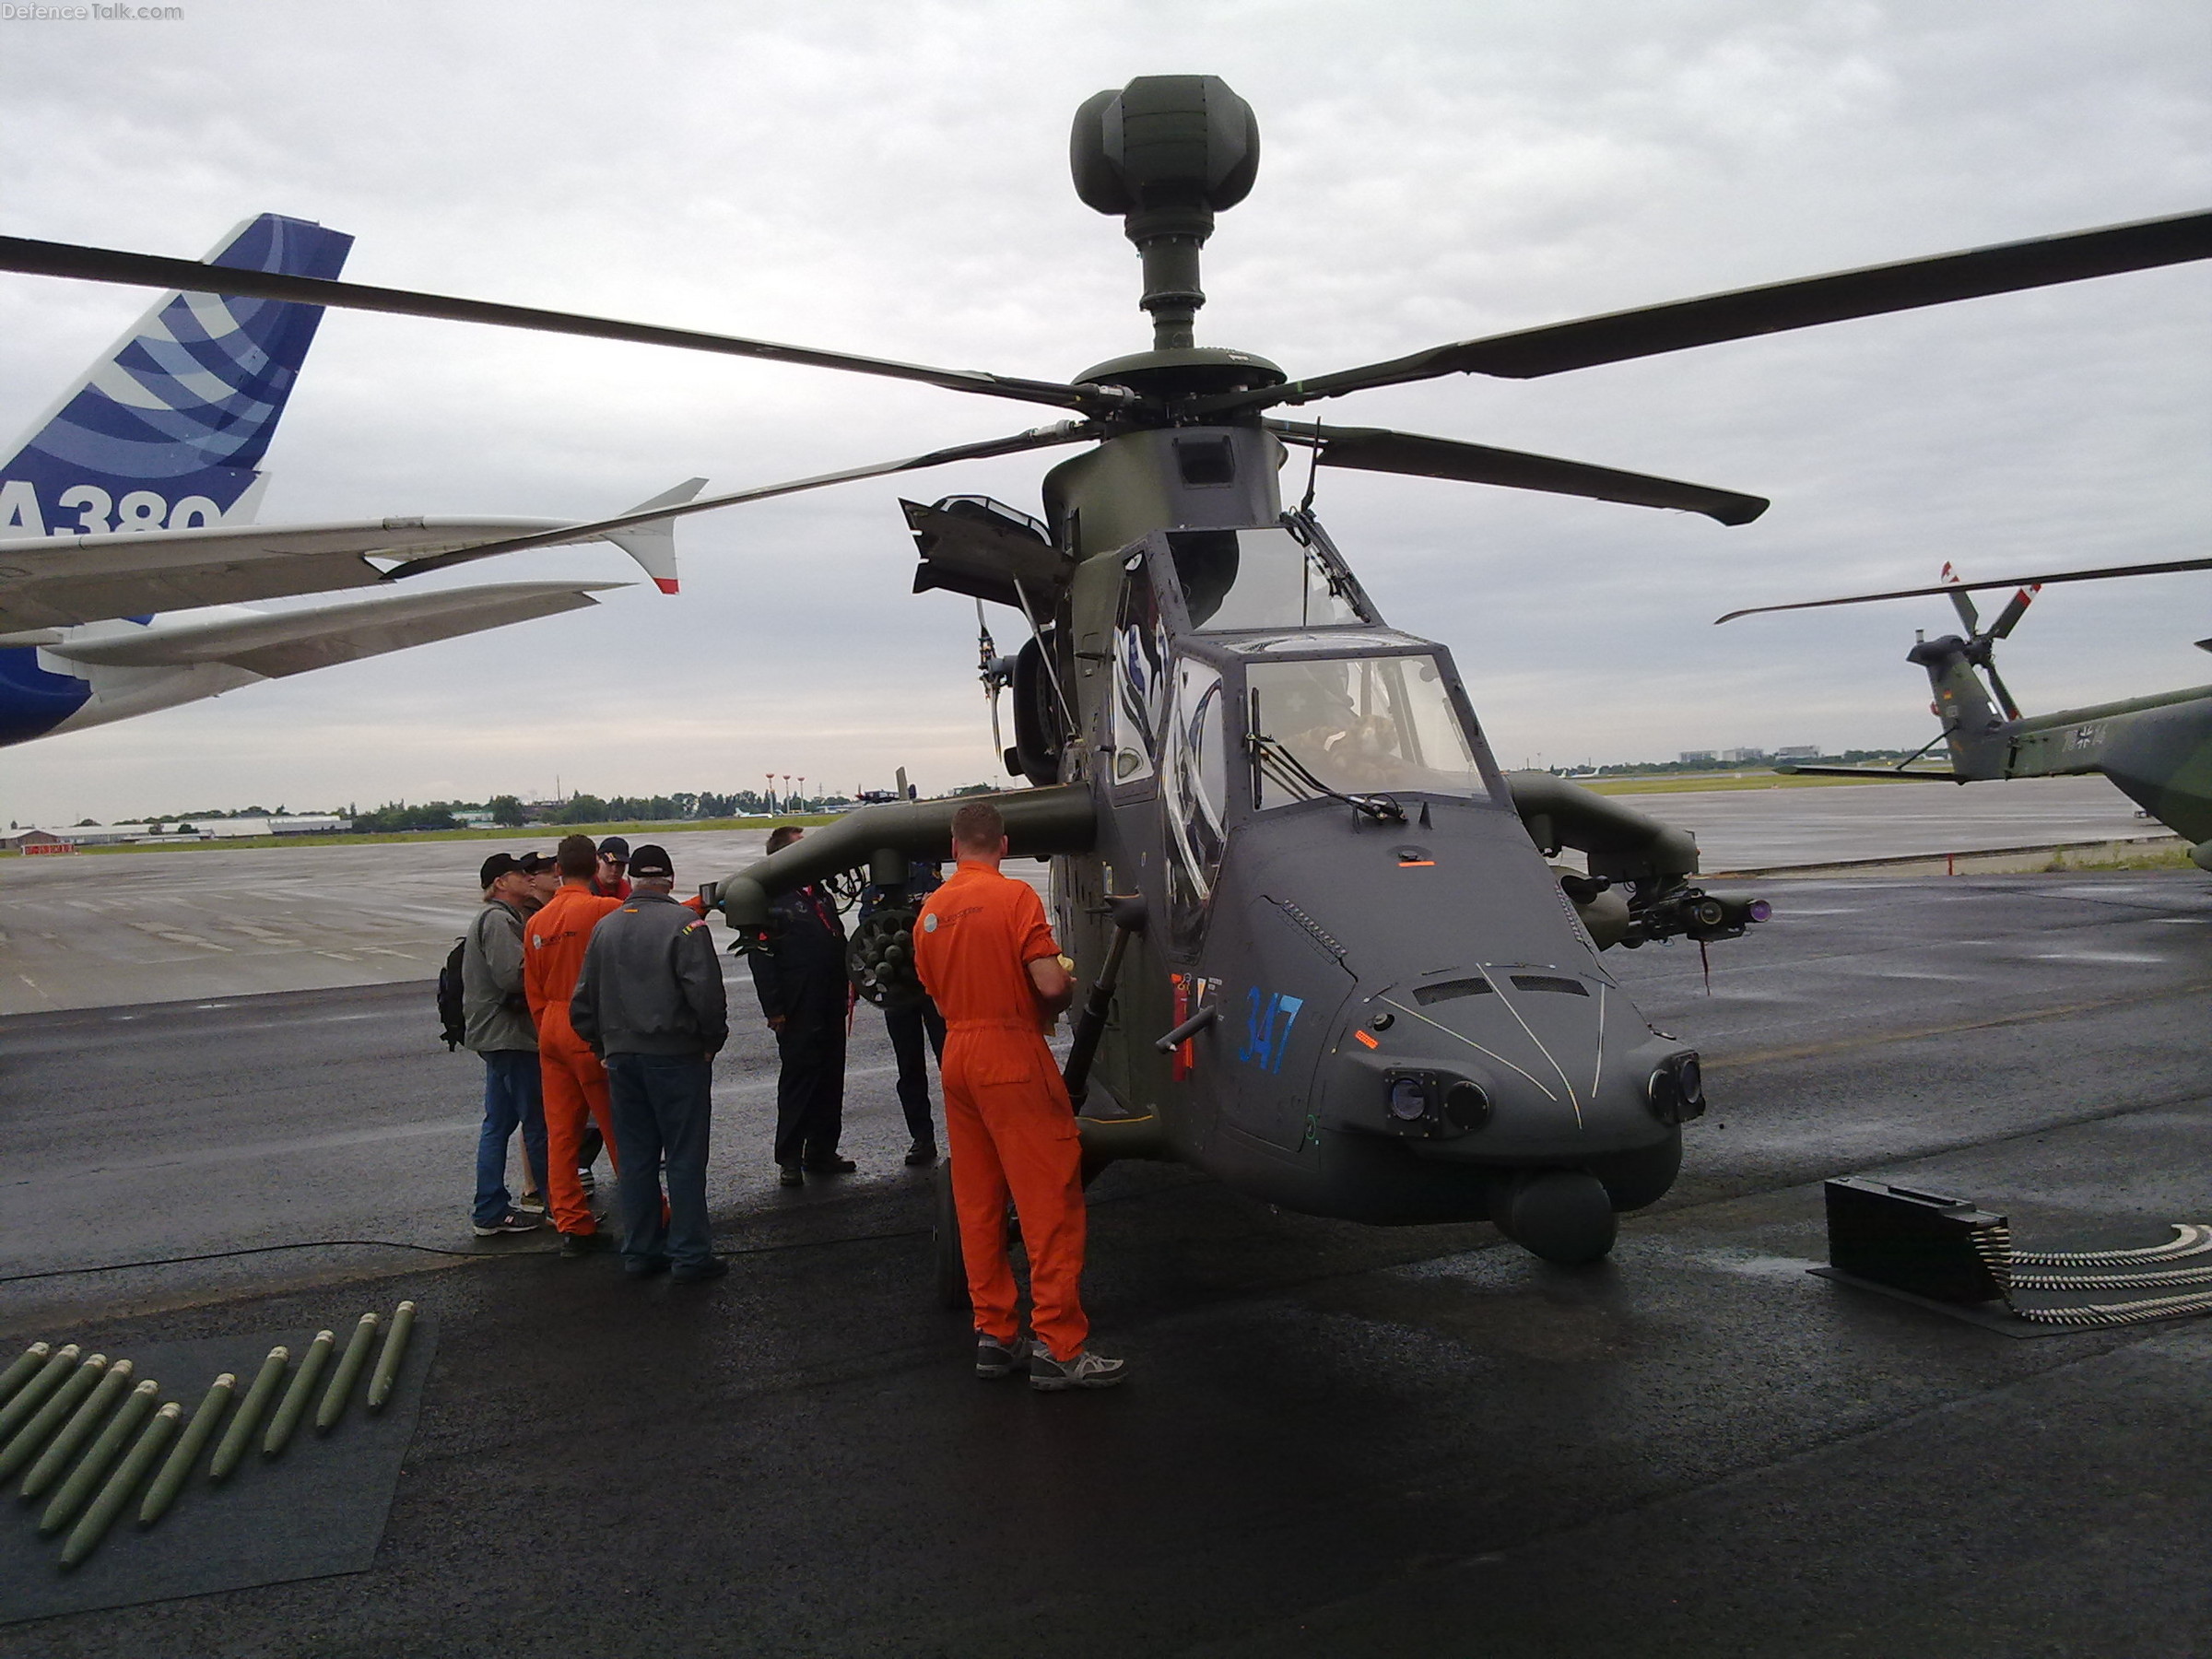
<point x="159" y="930"/>
<point x="2123" y="957"/>
<point x="1914" y="973"/>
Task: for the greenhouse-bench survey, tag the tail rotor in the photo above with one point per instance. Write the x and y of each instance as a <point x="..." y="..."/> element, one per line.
<point x="1979" y="640"/>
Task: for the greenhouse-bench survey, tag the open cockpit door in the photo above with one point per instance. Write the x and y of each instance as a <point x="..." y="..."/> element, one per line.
<point x="985" y="549"/>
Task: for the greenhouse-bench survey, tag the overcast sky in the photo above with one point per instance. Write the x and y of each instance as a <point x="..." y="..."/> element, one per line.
<point x="892" y="179"/>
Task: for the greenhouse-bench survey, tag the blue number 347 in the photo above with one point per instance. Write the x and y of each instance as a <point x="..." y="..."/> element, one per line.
<point x="1268" y="1022"/>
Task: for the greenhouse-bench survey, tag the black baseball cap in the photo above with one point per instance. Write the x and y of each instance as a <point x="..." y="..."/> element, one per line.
<point x="537" y="864"/>
<point x="650" y="861"/>
<point x="497" y="866"/>
<point x="614" y="846"/>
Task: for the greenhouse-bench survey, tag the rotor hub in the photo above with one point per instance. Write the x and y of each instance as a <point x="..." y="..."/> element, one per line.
<point x="1185" y="371"/>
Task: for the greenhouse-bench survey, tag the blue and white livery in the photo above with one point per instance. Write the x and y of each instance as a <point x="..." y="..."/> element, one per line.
<point x="167" y="430"/>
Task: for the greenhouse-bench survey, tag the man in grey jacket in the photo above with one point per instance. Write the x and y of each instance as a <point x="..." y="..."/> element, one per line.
<point x="498" y="1028"/>
<point x="650" y="1003"/>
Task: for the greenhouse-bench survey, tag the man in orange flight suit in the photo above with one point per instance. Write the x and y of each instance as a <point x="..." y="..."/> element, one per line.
<point x="575" y="1082"/>
<point x="985" y="954"/>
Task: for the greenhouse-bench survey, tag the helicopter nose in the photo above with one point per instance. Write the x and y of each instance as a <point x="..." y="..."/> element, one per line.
<point x="1523" y="1068"/>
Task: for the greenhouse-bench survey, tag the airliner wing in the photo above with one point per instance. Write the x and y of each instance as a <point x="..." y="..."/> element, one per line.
<point x="64" y="580"/>
<point x="277" y="644"/>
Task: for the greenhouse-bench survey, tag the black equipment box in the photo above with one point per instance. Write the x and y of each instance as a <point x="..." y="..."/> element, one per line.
<point x="1922" y="1242"/>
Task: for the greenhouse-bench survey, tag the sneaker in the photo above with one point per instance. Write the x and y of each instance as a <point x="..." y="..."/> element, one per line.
<point x="531" y="1204"/>
<point x="513" y="1221"/>
<point x="1086" y="1369"/>
<point x="830" y="1166"/>
<point x="644" y="1266"/>
<point x="695" y="1273"/>
<point x="575" y="1245"/>
<point x="920" y="1152"/>
<point x="587" y="1180"/>
<point x="995" y="1357"/>
<point x="790" y="1175"/>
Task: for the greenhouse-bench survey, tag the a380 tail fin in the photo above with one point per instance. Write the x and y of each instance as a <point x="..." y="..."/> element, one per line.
<point x="166" y="430"/>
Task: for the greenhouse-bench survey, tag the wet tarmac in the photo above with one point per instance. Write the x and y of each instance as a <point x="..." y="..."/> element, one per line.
<point x="1338" y="1441"/>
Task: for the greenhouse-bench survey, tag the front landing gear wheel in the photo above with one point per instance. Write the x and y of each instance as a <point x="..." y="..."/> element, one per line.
<point x="1562" y="1216"/>
<point x="950" y="1265"/>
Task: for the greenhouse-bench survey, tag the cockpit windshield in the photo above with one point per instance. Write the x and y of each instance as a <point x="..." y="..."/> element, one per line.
<point x="1357" y="726"/>
<point x="1265" y="578"/>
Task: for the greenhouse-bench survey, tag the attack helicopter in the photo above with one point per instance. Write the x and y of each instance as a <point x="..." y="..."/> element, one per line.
<point x="2157" y="751"/>
<point x="1327" y="960"/>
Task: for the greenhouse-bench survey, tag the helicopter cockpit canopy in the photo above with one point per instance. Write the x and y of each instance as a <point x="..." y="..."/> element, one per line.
<point x="1249" y="723"/>
<point x="1355" y="726"/>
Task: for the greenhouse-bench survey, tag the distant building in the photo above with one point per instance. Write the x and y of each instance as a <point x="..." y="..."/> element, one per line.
<point x="25" y="841"/>
<point x="1696" y="757"/>
<point x="107" y="835"/>
<point x="291" y="824"/>
<point x="111" y="835"/>
<point x="1798" y="751"/>
<point x="1735" y="755"/>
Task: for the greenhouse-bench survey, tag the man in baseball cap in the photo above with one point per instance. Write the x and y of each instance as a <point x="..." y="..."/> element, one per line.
<point x="650" y="1003"/>
<point x="609" y="882"/>
<point x="543" y="873"/>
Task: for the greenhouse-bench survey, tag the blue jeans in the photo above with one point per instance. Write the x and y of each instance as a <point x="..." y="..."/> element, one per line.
<point x="662" y="1108"/>
<point x="512" y="1095"/>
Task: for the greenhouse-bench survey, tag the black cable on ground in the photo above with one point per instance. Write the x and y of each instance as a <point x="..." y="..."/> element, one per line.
<point x="221" y="1255"/>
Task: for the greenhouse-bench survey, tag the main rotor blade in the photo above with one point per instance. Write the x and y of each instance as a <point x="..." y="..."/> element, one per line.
<point x="2166" y="567"/>
<point x="1376" y="449"/>
<point x="1071" y="431"/>
<point x="1774" y="309"/>
<point x="147" y="270"/>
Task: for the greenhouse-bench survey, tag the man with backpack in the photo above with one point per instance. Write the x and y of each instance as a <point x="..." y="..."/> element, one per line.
<point x="495" y="1024"/>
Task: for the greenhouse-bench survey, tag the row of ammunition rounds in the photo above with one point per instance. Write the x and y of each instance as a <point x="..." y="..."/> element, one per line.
<point x="55" y="1405"/>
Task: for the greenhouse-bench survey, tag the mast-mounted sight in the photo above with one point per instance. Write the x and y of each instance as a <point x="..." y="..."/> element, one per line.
<point x="1166" y="152"/>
